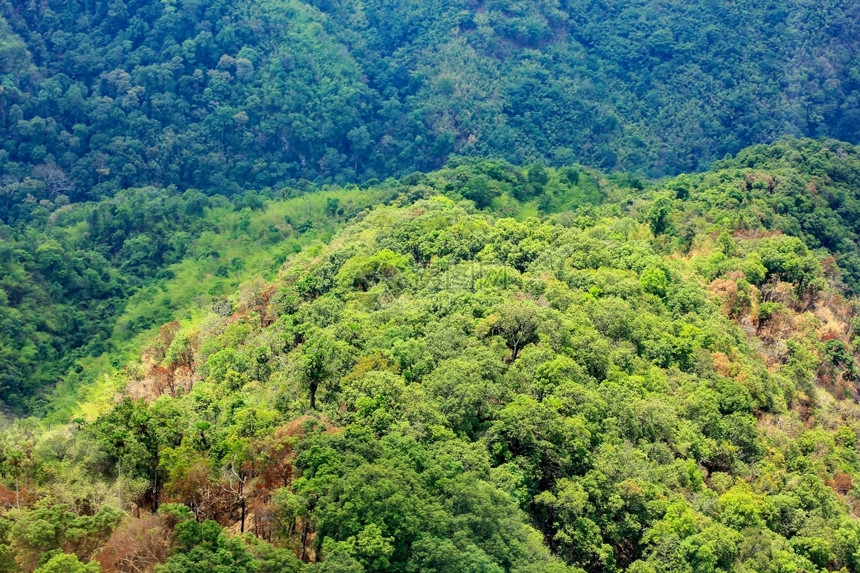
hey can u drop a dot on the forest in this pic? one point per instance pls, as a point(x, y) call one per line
point(101, 96)
point(482, 368)
point(473, 286)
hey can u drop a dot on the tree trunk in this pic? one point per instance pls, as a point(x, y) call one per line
point(155, 493)
point(242, 526)
point(314, 395)
point(304, 556)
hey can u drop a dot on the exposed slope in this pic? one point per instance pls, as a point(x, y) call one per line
point(804, 188)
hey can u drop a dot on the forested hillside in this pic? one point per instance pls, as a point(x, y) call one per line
point(229, 96)
point(461, 286)
point(484, 368)
point(83, 280)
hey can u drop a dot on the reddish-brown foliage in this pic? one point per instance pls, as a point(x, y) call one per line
point(137, 546)
point(842, 483)
point(8, 498)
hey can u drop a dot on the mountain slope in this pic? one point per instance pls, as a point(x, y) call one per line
point(656, 380)
point(225, 97)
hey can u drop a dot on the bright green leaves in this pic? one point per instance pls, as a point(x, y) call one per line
point(740, 508)
point(464, 394)
point(375, 399)
point(66, 563)
point(517, 243)
point(368, 551)
point(485, 393)
point(684, 537)
point(654, 281)
point(394, 503)
point(362, 272)
point(576, 537)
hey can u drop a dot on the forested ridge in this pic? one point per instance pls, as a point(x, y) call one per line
point(481, 368)
point(229, 96)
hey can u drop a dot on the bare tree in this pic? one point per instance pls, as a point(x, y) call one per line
point(138, 546)
point(55, 179)
point(235, 482)
point(9, 188)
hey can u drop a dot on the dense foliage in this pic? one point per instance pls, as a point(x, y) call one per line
point(498, 369)
point(80, 280)
point(507, 350)
point(225, 96)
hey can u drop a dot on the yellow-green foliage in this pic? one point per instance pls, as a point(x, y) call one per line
point(436, 386)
